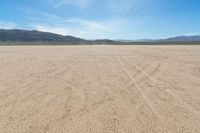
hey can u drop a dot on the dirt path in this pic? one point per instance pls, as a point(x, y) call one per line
point(100, 89)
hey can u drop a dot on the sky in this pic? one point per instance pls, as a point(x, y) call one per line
point(104, 19)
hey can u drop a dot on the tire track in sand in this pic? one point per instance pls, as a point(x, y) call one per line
point(138, 88)
point(188, 107)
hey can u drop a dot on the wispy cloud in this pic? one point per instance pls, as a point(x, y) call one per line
point(89, 24)
point(79, 3)
point(115, 6)
point(75, 26)
point(111, 26)
point(122, 6)
point(7, 25)
point(108, 28)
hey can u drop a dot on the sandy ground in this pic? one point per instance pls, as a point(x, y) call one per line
point(100, 89)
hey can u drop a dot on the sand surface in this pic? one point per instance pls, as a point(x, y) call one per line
point(100, 89)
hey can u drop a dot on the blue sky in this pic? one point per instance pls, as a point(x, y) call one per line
point(98, 19)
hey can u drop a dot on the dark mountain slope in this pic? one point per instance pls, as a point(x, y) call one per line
point(25, 35)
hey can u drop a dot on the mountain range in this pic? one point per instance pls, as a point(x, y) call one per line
point(34, 35)
point(183, 38)
point(18, 35)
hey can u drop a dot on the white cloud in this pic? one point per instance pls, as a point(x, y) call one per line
point(79, 27)
point(109, 28)
point(124, 6)
point(89, 24)
point(7, 25)
point(79, 3)
point(76, 27)
point(115, 6)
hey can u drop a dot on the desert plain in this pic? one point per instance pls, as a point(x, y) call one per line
point(100, 89)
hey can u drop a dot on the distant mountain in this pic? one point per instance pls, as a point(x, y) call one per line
point(144, 40)
point(25, 35)
point(17, 35)
point(123, 40)
point(182, 39)
point(104, 41)
point(172, 39)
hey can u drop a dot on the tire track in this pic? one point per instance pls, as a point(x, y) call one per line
point(138, 88)
point(190, 108)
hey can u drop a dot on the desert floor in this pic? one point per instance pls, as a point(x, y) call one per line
point(99, 89)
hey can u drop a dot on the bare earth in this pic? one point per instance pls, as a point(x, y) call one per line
point(99, 89)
